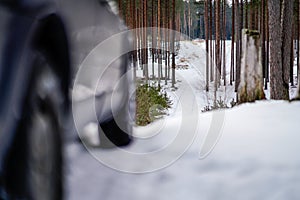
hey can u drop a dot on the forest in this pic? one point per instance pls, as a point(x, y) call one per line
point(273, 25)
point(191, 60)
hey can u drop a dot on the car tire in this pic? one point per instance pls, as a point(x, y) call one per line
point(44, 162)
point(34, 164)
point(115, 132)
point(43, 133)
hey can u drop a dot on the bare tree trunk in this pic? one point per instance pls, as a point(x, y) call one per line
point(189, 19)
point(291, 67)
point(153, 39)
point(167, 41)
point(134, 38)
point(241, 21)
point(247, 15)
point(263, 39)
point(173, 43)
point(145, 8)
point(207, 44)
point(232, 44)
point(287, 29)
point(278, 87)
point(256, 16)
point(139, 36)
point(211, 41)
point(224, 42)
point(251, 85)
point(184, 20)
point(238, 43)
point(218, 53)
point(275, 50)
point(159, 41)
point(252, 16)
point(298, 39)
point(298, 62)
point(267, 73)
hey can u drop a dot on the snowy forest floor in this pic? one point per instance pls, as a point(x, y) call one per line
point(254, 156)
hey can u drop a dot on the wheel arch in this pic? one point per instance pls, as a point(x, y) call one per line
point(50, 38)
point(47, 36)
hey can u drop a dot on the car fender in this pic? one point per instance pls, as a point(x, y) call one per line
point(17, 55)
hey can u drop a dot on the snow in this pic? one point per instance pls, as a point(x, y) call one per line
point(246, 152)
point(256, 154)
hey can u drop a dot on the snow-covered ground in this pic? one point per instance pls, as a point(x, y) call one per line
point(195, 57)
point(194, 54)
point(253, 149)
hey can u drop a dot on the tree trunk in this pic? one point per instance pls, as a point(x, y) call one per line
point(207, 44)
point(145, 9)
point(153, 39)
point(291, 67)
point(184, 20)
point(238, 43)
point(211, 41)
point(298, 39)
point(241, 21)
point(218, 53)
point(263, 39)
point(251, 85)
point(173, 44)
point(277, 90)
point(189, 18)
point(247, 21)
point(287, 29)
point(134, 13)
point(224, 42)
point(298, 62)
point(167, 41)
point(159, 41)
point(232, 44)
point(267, 48)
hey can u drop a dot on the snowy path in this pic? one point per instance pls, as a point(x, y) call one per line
point(256, 156)
point(193, 54)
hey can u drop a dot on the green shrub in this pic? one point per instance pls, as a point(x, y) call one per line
point(219, 104)
point(151, 104)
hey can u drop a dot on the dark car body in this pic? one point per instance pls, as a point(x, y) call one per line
point(68, 30)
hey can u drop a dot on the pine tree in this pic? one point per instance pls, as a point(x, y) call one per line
point(263, 40)
point(238, 43)
point(207, 44)
point(218, 47)
point(287, 32)
point(173, 43)
point(279, 39)
point(224, 41)
point(232, 44)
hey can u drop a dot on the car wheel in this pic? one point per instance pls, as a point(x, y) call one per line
point(112, 136)
point(44, 145)
point(115, 132)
